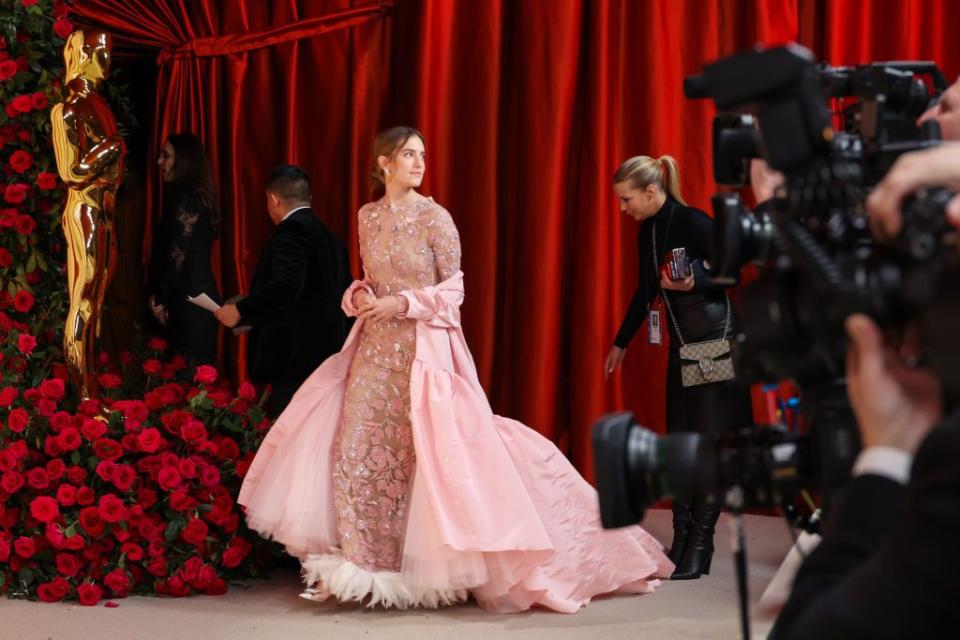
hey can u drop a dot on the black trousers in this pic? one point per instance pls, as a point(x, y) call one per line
point(281, 392)
point(707, 408)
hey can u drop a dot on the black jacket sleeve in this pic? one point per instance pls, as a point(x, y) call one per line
point(888, 566)
point(288, 271)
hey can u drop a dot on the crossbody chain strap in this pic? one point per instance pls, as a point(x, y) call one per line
point(666, 300)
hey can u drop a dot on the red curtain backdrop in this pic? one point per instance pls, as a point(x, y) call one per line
point(528, 107)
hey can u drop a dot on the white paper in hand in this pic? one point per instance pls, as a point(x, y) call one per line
point(204, 301)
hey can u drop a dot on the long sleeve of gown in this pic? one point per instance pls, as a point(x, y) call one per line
point(438, 306)
point(186, 216)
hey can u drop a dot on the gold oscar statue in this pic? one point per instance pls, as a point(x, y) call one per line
point(90, 161)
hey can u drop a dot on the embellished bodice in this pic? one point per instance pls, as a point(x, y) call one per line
point(409, 246)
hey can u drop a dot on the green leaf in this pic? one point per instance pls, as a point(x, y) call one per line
point(32, 263)
point(173, 530)
point(75, 457)
point(25, 576)
point(70, 531)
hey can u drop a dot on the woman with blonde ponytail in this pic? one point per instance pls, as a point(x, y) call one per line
point(648, 190)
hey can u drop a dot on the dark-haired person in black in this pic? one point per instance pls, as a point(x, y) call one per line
point(649, 191)
point(294, 301)
point(180, 259)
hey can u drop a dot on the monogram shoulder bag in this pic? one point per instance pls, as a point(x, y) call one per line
point(701, 362)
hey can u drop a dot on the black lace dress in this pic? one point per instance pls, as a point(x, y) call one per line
point(180, 266)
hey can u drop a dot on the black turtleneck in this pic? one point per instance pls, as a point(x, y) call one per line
point(700, 312)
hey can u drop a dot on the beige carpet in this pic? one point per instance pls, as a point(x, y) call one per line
point(705, 608)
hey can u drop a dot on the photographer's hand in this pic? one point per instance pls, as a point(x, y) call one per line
point(896, 406)
point(938, 167)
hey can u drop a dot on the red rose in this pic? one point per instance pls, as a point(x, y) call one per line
point(76, 475)
point(136, 411)
point(7, 460)
point(247, 391)
point(107, 449)
point(6, 258)
point(4, 550)
point(53, 591)
point(75, 543)
point(157, 344)
point(157, 567)
point(46, 407)
point(168, 479)
point(56, 468)
point(216, 587)
point(92, 429)
point(20, 160)
point(22, 104)
point(29, 3)
point(190, 571)
point(109, 381)
point(66, 495)
point(11, 481)
point(23, 301)
point(176, 588)
point(181, 501)
point(208, 575)
point(53, 388)
point(205, 374)
point(105, 470)
point(195, 532)
point(63, 28)
point(44, 509)
point(25, 225)
point(132, 551)
point(69, 439)
point(124, 476)
point(118, 582)
point(26, 343)
point(25, 547)
point(91, 522)
point(8, 69)
point(149, 440)
point(193, 432)
point(89, 407)
point(68, 565)
point(146, 498)
point(46, 180)
point(236, 552)
point(39, 100)
point(7, 396)
point(229, 449)
point(89, 594)
point(8, 218)
point(187, 468)
point(15, 193)
point(85, 496)
point(151, 367)
point(38, 479)
point(209, 475)
point(18, 419)
point(112, 508)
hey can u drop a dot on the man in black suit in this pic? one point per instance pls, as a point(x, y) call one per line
point(294, 301)
point(888, 564)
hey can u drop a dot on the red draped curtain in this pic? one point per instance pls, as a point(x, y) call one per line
point(528, 107)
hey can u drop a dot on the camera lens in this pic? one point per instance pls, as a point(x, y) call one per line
point(635, 468)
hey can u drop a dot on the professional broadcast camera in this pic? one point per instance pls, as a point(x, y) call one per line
point(818, 265)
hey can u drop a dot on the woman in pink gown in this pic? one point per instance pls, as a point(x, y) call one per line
point(389, 476)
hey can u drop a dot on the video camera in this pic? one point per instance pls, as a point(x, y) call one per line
point(818, 264)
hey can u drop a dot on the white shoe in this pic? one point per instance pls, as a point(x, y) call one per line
point(316, 594)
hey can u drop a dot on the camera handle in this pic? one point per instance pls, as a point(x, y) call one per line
point(735, 501)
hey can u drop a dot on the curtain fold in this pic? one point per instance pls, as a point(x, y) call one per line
point(527, 107)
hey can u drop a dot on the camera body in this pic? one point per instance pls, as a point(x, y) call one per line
point(818, 264)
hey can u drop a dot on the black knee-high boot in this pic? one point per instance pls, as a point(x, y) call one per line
point(682, 523)
point(699, 549)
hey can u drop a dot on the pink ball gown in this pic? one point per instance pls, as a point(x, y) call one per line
point(392, 480)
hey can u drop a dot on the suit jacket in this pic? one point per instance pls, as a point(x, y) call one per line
point(888, 564)
point(294, 301)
